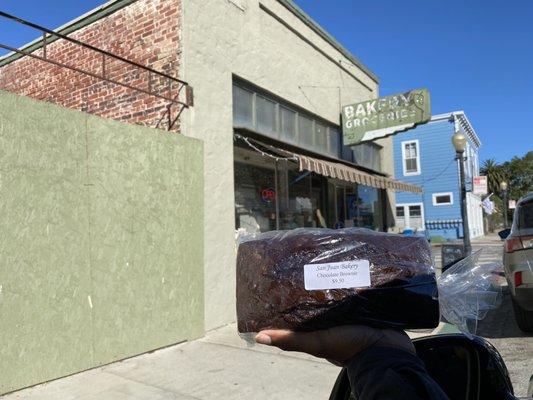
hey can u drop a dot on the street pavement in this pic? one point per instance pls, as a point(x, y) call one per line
point(500, 328)
point(223, 366)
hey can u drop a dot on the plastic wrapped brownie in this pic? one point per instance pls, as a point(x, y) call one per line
point(309, 279)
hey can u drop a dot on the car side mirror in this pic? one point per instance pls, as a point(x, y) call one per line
point(530, 388)
point(464, 369)
point(503, 234)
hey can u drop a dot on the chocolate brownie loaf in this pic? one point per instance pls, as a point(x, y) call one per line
point(308, 279)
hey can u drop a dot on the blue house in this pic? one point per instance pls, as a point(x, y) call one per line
point(425, 156)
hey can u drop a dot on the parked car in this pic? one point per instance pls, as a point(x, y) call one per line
point(464, 369)
point(518, 262)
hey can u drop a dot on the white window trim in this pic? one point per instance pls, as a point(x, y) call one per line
point(419, 169)
point(442, 194)
point(407, 216)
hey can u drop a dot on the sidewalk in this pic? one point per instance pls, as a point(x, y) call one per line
point(491, 244)
point(219, 366)
point(489, 238)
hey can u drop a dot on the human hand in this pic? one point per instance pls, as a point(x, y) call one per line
point(339, 344)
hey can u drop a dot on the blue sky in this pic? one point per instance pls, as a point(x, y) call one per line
point(473, 55)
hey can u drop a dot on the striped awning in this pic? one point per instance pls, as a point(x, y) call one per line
point(333, 169)
point(350, 174)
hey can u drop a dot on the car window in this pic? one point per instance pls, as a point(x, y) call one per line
point(524, 218)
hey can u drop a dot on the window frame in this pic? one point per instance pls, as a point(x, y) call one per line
point(404, 159)
point(435, 195)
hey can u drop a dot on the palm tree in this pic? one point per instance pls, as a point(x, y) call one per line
point(494, 174)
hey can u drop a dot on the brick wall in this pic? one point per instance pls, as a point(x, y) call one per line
point(146, 32)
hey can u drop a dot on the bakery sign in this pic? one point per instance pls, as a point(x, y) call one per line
point(374, 119)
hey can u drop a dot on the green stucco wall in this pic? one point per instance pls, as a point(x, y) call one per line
point(101, 246)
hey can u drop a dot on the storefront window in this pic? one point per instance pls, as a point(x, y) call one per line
point(272, 195)
point(306, 133)
point(356, 206)
point(288, 125)
point(301, 203)
point(365, 208)
point(255, 198)
point(296, 200)
point(333, 142)
point(321, 136)
point(368, 155)
point(266, 115)
point(242, 107)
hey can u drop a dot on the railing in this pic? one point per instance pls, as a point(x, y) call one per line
point(170, 90)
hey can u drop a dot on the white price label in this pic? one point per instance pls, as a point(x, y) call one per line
point(339, 275)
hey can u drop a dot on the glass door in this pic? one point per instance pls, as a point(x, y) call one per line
point(410, 216)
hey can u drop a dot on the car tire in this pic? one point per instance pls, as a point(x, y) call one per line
point(524, 318)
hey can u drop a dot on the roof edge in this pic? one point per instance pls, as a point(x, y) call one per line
point(311, 23)
point(444, 116)
point(76, 24)
point(463, 121)
point(469, 129)
point(114, 5)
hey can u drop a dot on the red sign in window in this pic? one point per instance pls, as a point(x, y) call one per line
point(268, 195)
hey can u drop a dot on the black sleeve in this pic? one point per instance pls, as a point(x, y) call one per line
point(387, 373)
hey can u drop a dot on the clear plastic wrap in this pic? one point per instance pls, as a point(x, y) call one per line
point(467, 291)
point(308, 279)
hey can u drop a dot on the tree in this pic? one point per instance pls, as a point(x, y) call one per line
point(494, 173)
point(519, 172)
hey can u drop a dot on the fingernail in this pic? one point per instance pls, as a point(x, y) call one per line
point(261, 338)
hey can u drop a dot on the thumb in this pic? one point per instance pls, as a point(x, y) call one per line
point(306, 342)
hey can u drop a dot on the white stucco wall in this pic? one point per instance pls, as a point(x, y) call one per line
point(387, 166)
point(225, 37)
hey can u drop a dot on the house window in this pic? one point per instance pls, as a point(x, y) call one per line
point(443, 199)
point(415, 211)
point(411, 158)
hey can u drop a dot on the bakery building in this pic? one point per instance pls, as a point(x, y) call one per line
point(268, 85)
